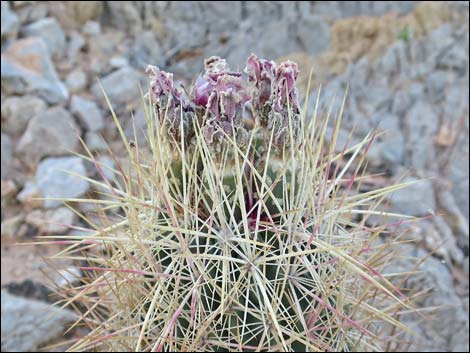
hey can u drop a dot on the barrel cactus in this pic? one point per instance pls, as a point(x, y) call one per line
point(239, 227)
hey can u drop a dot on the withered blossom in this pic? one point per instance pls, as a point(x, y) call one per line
point(274, 96)
point(223, 101)
point(170, 105)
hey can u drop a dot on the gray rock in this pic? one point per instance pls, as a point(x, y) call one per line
point(87, 112)
point(340, 9)
point(51, 133)
point(117, 62)
point(76, 42)
point(392, 142)
point(268, 38)
point(448, 241)
point(439, 41)
point(107, 166)
point(58, 220)
point(446, 327)
point(437, 82)
point(121, 86)
point(401, 102)
point(139, 123)
point(455, 105)
point(67, 276)
point(314, 34)
point(30, 11)
point(6, 154)
point(458, 172)
point(421, 124)
point(414, 200)
point(50, 31)
point(76, 81)
point(74, 14)
point(124, 16)
point(24, 327)
point(27, 68)
point(28, 194)
point(18, 111)
point(388, 63)
point(11, 226)
point(393, 148)
point(92, 28)
point(454, 58)
point(10, 22)
point(94, 141)
point(147, 51)
point(61, 177)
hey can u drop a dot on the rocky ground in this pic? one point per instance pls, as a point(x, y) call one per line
point(406, 64)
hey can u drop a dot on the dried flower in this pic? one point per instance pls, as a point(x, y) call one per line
point(170, 105)
point(274, 96)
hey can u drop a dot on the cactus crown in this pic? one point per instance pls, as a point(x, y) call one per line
point(252, 238)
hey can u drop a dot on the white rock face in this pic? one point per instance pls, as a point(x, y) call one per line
point(50, 31)
point(61, 178)
point(28, 69)
point(51, 133)
point(24, 324)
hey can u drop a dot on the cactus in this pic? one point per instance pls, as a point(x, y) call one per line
point(236, 231)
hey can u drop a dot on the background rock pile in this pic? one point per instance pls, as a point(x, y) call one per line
point(406, 64)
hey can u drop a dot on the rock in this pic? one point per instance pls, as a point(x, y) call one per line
point(124, 16)
point(66, 277)
point(446, 327)
point(401, 102)
point(6, 154)
point(393, 148)
point(24, 327)
point(414, 200)
point(117, 62)
point(94, 141)
point(454, 215)
point(121, 86)
point(87, 112)
point(74, 14)
point(8, 190)
point(139, 123)
point(455, 105)
point(10, 22)
point(107, 167)
point(76, 81)
point(11, 226)
point(75, 44)
point(448, 241)
point(455, 58)
point(421, 123)
point(91, 28)
point(314, 34)
point(18, 111)
point(28, 194)
point(27, 68)
point(55, 180)
point(30, 289)
point(36, 219)
point(436, 83)
point(30, 11)
point(50, 31)
point(60, 220)
point(392, 142)
point(51, 133)
point(335, 9)
point(147, 50)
